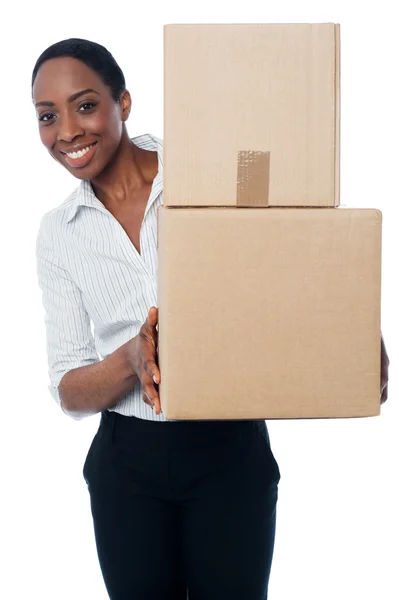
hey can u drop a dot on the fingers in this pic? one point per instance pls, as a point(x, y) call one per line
point(150, 379)
point(152, 318)
point(149, 352)
point(384, 394)
point(150, 394)
point(384, 371)
point(151, 368)
point(150, 375)
point(149, 329)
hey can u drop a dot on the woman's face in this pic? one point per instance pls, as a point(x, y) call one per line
point(80, 123)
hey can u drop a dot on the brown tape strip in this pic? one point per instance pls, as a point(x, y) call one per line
point(253, 177)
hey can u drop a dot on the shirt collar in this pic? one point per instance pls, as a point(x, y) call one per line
point(85, 195)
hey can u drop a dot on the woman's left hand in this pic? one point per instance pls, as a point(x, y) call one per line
point(384, 372)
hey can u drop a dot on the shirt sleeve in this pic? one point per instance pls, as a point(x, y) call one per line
point(70, 343)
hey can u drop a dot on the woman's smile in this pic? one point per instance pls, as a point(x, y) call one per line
point(79, 158)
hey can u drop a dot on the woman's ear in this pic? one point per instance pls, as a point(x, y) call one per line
point(126, 105)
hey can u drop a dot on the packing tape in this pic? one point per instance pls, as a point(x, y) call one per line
point(253, 176)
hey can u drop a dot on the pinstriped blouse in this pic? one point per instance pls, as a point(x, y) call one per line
point(96, 288)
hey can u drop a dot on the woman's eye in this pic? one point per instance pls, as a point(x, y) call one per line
point(45, 117)
point(86, 106)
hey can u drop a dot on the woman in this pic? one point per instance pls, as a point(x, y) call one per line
point(177, 506)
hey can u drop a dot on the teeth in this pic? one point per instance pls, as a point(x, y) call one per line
point(79, 153)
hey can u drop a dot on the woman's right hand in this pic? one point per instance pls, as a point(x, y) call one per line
point(143, 355)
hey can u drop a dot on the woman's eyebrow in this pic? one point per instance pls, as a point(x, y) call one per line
point(78, 94)
point(70, 99)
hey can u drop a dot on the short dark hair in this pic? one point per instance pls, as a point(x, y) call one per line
point(93, 55)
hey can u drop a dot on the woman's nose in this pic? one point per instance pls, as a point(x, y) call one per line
point(68, 129)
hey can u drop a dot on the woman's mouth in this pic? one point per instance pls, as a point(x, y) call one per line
point(80, 158)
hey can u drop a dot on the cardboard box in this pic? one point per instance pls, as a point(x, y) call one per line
point(269, 313)
point(251, 115)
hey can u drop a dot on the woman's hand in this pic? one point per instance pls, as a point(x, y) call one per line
point(143, 355)
point(384, 372)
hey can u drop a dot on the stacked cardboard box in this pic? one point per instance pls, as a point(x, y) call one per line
point(269, 293)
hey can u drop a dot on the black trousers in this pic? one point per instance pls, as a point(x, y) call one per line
point(183, 509)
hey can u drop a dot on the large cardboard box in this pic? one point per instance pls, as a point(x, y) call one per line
point(251, 115)
point(269, 313)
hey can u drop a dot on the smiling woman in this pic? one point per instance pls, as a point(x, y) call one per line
point(176, 506)
point(73, 156)
point(81, 119)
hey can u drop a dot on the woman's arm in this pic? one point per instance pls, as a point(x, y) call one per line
point(80, 382)
point(93, 388)
point(96, 387)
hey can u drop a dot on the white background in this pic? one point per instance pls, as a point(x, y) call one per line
point(338, 528)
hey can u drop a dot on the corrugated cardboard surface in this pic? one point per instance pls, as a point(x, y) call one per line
point(232, 89)
point(269, 313)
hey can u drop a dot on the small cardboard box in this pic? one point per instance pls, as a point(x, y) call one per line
point(269, 313)
point(251, 115)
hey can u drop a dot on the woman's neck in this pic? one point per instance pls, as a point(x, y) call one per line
point(129, 170)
